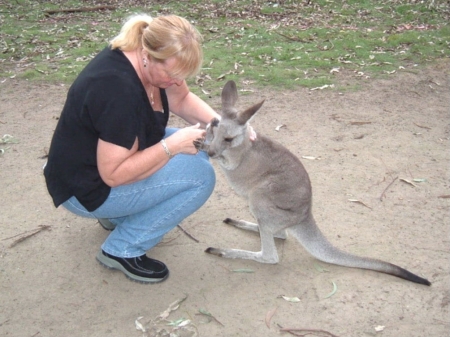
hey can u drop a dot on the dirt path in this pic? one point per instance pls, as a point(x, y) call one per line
point(392, 129)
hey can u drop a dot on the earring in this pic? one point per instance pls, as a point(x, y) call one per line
point(145, 62)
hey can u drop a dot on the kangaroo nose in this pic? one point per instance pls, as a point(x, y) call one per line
point(211, 153)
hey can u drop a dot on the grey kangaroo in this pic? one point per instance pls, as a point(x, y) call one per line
point(278, 190)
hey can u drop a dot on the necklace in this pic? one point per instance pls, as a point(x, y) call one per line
point(152, 101)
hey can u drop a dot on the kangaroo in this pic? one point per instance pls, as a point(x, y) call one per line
point(278, 190)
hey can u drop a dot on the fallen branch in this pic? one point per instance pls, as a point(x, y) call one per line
point(384, 192)
point(76, 10)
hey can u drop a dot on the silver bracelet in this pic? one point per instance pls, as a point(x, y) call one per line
point(166, 149)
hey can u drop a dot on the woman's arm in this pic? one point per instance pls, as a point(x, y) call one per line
point(119, 166)
point(189, 106)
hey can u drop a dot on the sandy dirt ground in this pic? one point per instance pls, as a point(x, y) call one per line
point(363, 145)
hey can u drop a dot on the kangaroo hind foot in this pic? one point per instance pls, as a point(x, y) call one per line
point(267, 254)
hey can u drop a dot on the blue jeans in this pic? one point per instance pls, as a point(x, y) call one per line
point(145, 211)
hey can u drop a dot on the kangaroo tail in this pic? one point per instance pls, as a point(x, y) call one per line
point(312, 239)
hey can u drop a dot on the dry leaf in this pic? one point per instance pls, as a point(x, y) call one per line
point(379, 328)
point(174, 306)
point(408, 182)
point(311, 158)
point(334, 70)
point(320, 269)
point(139, 325)
point(333, 291)
point(359, 202)
point(269, 316)
point(323, 87)
point(290, 299)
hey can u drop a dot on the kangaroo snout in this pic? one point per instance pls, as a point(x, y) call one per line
point(211, 153)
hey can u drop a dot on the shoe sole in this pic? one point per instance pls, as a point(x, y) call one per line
point(113, 264)
point(106, 224)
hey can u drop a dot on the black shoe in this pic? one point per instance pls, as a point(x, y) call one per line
point(141, 269)
point(106, 224)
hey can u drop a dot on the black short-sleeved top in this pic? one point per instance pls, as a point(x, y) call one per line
point(107, 101)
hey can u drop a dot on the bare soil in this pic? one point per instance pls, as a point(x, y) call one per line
point(385, 145)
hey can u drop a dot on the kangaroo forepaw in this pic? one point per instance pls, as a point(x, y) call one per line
point(199, 144)
point(214, 251)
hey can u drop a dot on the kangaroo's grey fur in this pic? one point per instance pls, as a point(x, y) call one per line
point(278, 190)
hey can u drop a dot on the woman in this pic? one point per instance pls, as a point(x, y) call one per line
point(113, 158)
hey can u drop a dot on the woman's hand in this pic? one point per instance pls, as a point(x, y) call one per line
point(182, 141)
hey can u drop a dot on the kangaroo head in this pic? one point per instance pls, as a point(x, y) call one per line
point(228, 138)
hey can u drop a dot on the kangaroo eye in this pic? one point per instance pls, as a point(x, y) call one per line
point(228, 140)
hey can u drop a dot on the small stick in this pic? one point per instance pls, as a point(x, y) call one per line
point(360, 123)
point(293, 38)
point(34, 232)
point(305, 332)
point(14, 236)
point(74, 10)
point(187, 233)
point(382, 194)
point(422, 126)
point(206, 313)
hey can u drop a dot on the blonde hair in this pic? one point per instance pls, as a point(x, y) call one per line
point(163, 37)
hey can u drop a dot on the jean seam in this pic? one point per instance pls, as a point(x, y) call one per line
point(194, 182)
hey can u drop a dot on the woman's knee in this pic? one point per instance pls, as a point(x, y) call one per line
point(204, 172)
point(199, 169)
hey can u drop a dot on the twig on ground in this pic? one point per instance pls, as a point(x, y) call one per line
point(75, 10)
point(292, 38)
point(27, 234)
point(384, 192)
point(187, 233)
point(422, 126)
point(305, 332)
point(208, 314)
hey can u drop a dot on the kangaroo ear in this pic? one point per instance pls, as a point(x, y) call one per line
point(246, 115)
point(229, 95)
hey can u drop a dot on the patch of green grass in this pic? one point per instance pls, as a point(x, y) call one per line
point(282, 44)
